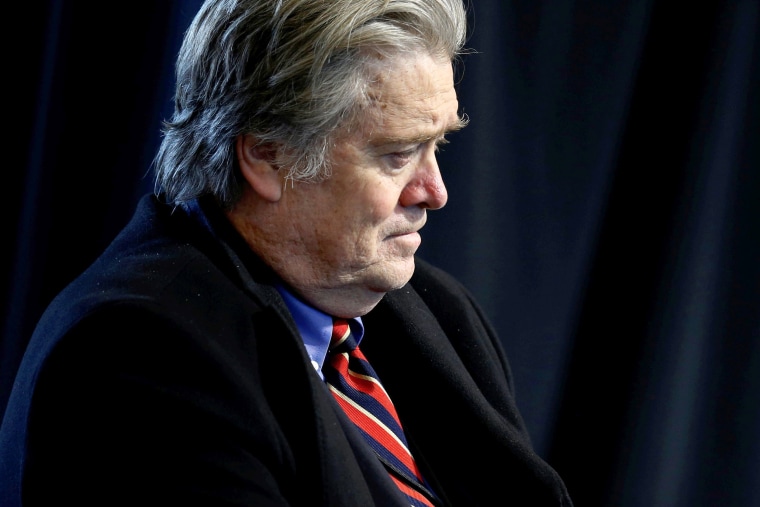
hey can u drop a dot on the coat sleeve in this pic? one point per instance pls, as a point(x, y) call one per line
point(131, 407)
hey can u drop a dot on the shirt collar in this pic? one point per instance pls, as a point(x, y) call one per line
point(315, 327)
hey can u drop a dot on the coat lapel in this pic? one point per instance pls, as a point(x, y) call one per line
point(453, 400)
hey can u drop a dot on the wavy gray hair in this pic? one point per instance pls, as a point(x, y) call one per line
point(290, 72)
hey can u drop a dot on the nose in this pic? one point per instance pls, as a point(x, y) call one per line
point(426, 188)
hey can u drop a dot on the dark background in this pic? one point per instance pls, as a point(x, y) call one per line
point(604, 207)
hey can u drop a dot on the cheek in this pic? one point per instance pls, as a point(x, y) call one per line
point(358, 211)
point(383, 199)
point(370, 203)
point(365, 226)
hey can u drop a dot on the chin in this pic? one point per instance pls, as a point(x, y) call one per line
point(394, 276)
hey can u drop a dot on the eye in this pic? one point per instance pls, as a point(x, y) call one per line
point(440, 142)
point(399, 159)
point(407, 154)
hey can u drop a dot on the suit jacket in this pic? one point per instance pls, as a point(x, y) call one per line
point(171, 373)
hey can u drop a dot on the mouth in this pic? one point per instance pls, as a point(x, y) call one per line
point(404, 233)
point(412, 228)
point(409, 229)
point(407, 241)
point(410, 234)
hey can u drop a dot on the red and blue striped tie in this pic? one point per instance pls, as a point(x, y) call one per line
point(355, 386)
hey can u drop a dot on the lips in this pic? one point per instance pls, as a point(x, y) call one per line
point(414, 229)
point(411, 225)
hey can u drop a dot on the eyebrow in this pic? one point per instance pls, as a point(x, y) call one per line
point(460, 123)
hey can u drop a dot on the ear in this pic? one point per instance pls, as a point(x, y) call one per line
point(257, 166)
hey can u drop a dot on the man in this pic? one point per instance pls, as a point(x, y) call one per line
point(194, 362)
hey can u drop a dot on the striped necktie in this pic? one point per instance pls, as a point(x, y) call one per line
point(355, 386)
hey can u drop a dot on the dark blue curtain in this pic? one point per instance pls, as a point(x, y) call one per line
point(604, 207)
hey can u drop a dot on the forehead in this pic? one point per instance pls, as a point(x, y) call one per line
point(411, 97)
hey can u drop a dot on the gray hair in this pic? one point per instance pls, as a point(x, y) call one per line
point(290, 72)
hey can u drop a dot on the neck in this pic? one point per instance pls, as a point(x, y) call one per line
point(285, 254)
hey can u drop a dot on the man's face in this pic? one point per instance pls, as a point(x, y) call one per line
point(357, 231)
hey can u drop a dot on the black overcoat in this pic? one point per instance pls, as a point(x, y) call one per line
point(171, 373)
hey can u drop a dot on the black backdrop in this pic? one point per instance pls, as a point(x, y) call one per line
point(604, 207)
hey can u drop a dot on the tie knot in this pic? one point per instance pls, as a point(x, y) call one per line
point(341, 339)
